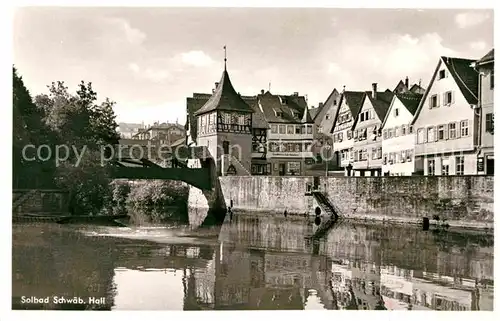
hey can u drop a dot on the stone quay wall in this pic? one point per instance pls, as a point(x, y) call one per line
point(464, 201)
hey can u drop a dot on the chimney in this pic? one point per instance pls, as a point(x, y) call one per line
point(407, 83)
point(296, 93)
point(374, 90)
point(262, 91)
point(320, 105)
point(216, 84)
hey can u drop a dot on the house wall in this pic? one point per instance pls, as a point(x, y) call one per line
point(457, 111)
point(369, 144)
point(470, 163)
point(400, 143)
point(462, 200)
point(487, 106)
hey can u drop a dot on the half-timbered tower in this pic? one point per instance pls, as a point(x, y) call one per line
point(224, 125)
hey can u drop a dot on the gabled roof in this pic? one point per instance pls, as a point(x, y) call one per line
point(409, 100)
point(286, 104)
point(464, 75)
point(258, 119)
point(225, 98)
point(380, 105)
point(400, 84)
point(326, 105)
point(416, 87)
point(314, 112)
point(488, 58)
point(354, 101)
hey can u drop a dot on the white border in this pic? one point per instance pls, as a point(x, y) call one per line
point(5, 94)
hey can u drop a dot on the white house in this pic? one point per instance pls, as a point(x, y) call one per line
point(446, 121)
point(398, 137)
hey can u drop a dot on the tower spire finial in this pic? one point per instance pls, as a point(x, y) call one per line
point(225, 57)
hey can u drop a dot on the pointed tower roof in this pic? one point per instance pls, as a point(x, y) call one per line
point(225, 98)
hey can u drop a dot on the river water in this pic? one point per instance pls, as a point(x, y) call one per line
point(252, 262)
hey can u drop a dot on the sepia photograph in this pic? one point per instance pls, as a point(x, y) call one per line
point(252, 158)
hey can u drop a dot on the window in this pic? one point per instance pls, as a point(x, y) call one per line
point(403, 156)
point(320, 129)
point(274, 129)
point(274, 147)
point(335, 102)
point(442, 74)
point(403, 130)
point(420, 136)
point(430, 134)
point(374, 153)
point(384, 159)
point(409, 155)
point(452, 130)
point(410, 128)
point(431, 165)
point(448, 98)
point(365, 154)
point(433, 101)
point(294, 168)
point(297, 147)
point(489, 123)
point(492, 79)
point(278, 113)
point(295, 114)
point(385, 133)
point(290, 129)
point(445, 167)
point(355, 135)
point(282, 129)
point(459, 165)
point(464, 128)
point(349, 134)
point(396, 112)
point(309, 129)
point(303, 129)
point(297, 129)
point(441, 132)
point(396, 132)
point(360, 155)
point(362, 117)
point(289, 147)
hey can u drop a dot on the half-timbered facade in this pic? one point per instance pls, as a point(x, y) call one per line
point(290, 134)
point(224, 125)
point(367, 133)
point(343, 143)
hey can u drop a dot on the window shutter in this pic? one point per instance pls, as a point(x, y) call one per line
point(430, 102)
point(425, 134)
point(438, 100)
point(458, 132)
point(445, 131)
point(435, 133)
point(444, 98)
point(453, 97)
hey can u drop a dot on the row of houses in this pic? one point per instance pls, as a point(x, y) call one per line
point(446, 129)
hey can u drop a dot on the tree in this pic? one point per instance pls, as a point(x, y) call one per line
point(28, 128)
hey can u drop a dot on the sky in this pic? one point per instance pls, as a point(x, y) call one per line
point(148, 60)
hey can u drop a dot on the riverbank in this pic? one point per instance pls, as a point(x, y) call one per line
point(456, 201)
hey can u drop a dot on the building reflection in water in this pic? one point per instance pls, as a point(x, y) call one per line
point(263, 262)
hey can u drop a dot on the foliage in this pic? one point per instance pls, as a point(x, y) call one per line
point(28, 128)
point(62, 118)
point(150, 201)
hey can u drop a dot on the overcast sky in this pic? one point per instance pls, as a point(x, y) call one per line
point(150, 60)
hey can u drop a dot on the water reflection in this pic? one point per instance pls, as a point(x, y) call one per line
point(254, 262)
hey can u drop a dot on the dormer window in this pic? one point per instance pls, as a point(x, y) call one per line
point(283, 100)
point(327, 116)
point(278, 113)
point(442, 74)
point(295, 114)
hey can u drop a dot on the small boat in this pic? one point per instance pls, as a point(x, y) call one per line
point(113, 220)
